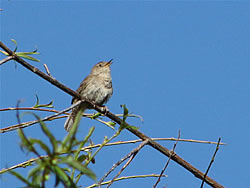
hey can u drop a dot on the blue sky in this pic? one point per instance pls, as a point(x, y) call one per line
point(180, 65)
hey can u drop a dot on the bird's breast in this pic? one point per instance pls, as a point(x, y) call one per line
point(99, 92)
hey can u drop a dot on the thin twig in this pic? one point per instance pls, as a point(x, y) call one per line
point(22, 125)
point(47, 69)
point(124, 178)
point(166, 165)
point(86, 148)
point(89, 115)
point(23, 164)
point(17, 112)
point(106, 141)
point(26, 124)
point(123, 159)
point(131, 157)
point(197, 173)
point(5, 60)
point(29, 123)
point(28, 108)
point(212, 160)
point(125, 166)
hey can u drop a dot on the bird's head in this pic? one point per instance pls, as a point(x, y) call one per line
point(101, 67)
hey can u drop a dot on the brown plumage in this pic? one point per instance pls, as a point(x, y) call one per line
point(96, 87)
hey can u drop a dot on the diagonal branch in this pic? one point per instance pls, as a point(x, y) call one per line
point(197, 173)
point(123, 159)
point(211, 162)
point(166, 165)
point(132, 156)
point(40, 73)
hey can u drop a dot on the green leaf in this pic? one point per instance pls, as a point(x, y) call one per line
point(81, 158)
point(37, 101)
point(62, 176)
point(28, 53)
point(35, 171)
point(70, 137)
point(48, 134)
point(125, 115)
point(57, 181)
point(27, 57)
point(20, 177)
point(124, 125)
point(27, 164)
point(91, 130)
point(35, 175)
point(96, 115)
point(25, 54)
point(111, 123)
point(37, 105)
point(106, 139)
point(35, 50)
point(89, 156)
point(49, 105)
point(46, 131)
point(24, 140)
point(46, 176)
point(41, 144)
point(125, 111)
point(132, 127)
point(77, 165)
point(67, 169)
point(14, 41)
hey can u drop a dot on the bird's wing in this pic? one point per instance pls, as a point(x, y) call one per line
point(84, 84)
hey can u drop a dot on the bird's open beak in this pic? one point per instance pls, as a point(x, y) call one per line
point(109, 62)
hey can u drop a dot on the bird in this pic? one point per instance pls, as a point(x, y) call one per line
point(96, 87)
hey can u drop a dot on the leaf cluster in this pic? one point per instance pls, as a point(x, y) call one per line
point(25, 55)
point(61, 161)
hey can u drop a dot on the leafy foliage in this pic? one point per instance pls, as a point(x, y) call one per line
point(125, 115)
point(25, 55)
point(61, 161)
point(38, 105)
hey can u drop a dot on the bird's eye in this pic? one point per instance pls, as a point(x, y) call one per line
point(100, 65)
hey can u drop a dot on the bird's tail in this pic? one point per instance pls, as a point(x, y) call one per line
point(71, 118)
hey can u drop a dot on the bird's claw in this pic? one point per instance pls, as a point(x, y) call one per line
point(105, 109)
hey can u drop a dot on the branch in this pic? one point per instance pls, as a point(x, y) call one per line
point(125, 166)
point(39, 73)
point(23, 125)
point(28, 108)
point(29, 123)
point(5, 60)
point(47, 69)
point(166, 165)
point(6, 129)
point(124, 178)
point(123, 159)
point(132, 156)
point(29, 162)
point(197, 173)
point(211, 162)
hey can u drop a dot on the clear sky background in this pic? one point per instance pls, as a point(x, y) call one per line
point(180, 65)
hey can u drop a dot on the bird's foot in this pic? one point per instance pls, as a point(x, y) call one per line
point(105, 109)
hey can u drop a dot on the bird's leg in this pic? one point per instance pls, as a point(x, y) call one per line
point(105, 109)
